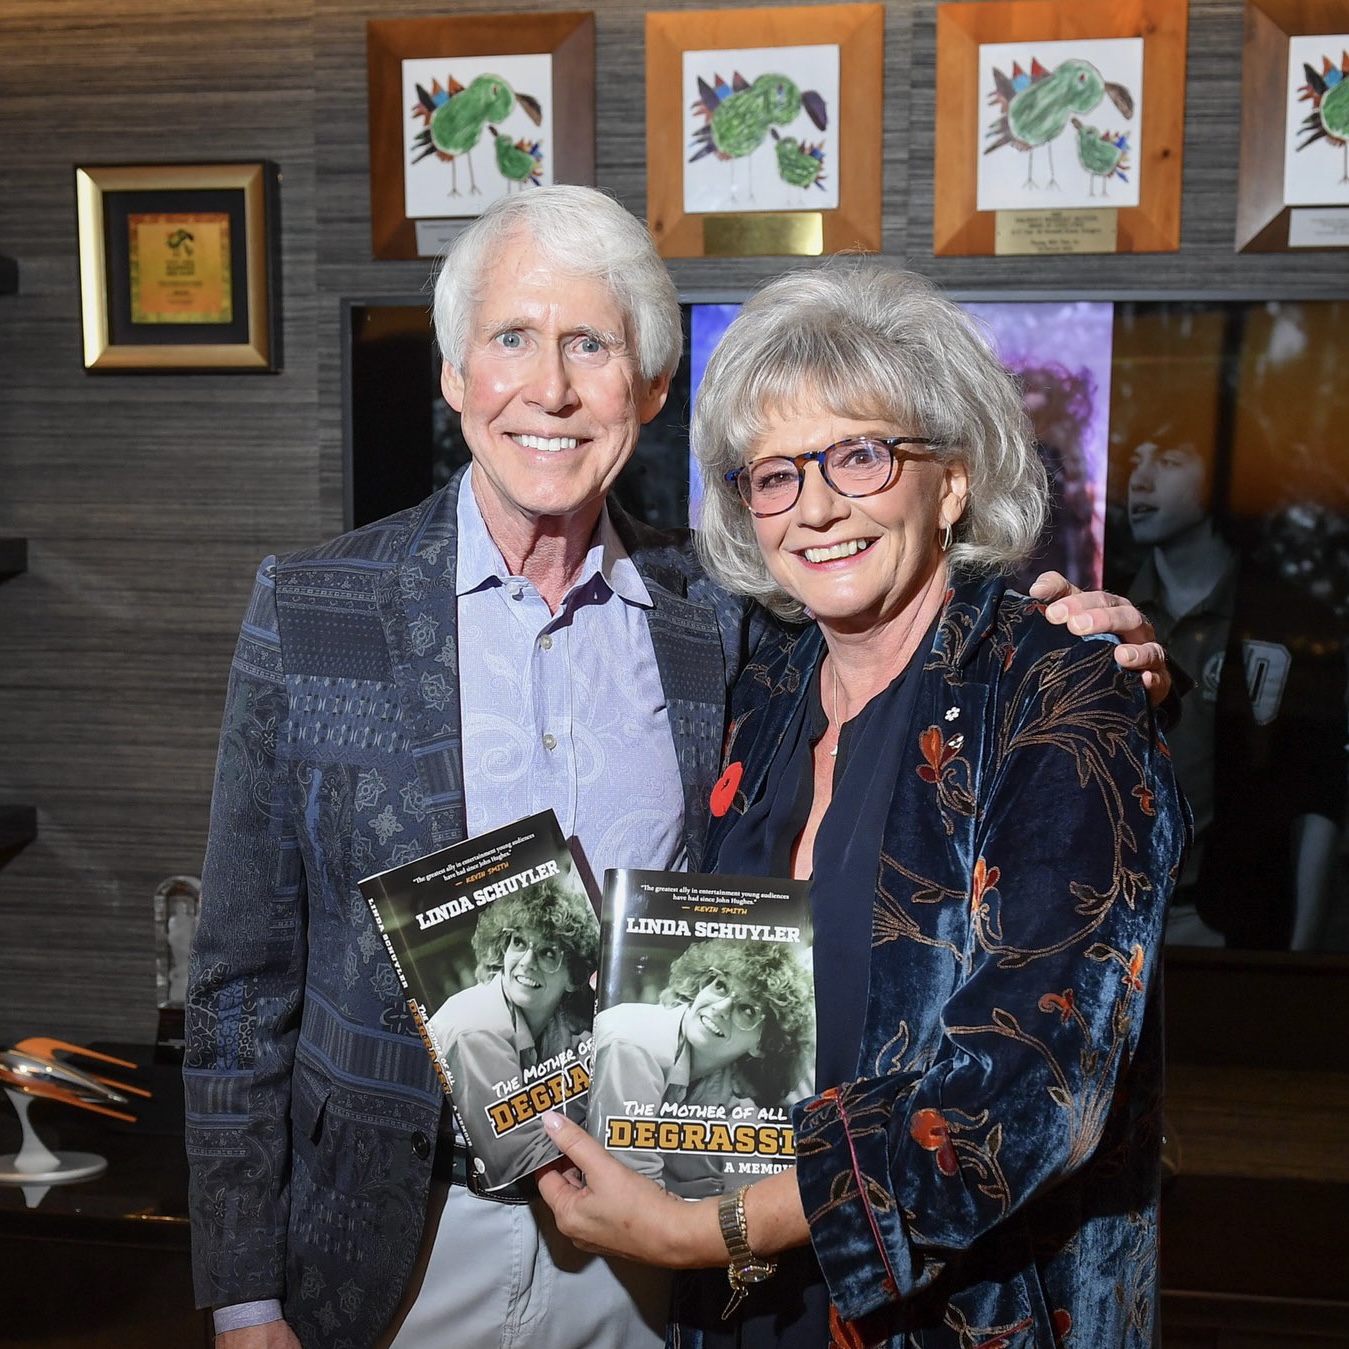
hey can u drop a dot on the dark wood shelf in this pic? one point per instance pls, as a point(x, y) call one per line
point(13, 557)
point(1254, 1223)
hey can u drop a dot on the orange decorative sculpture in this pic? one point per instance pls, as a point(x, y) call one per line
point(30, 1069)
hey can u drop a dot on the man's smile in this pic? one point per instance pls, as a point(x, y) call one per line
point(548, 444)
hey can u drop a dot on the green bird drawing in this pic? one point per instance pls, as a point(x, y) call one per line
point(799, 164)
point(1035, 108)
point(1103, 154)
point(1328, 92)
point(455, 117)
point(518, 161)
point(738, 117)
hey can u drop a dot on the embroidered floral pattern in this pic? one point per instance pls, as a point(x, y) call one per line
point(385, 824)
point(422, 633)
point(1010, 1060)
point(413, 583)
point(930, 1132)
point(414, 801)
point(370, 786)
point(438, 692)
point(943, 768)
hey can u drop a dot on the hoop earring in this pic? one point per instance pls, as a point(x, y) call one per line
point(947, 538)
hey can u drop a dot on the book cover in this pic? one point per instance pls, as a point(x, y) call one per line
point(495, 941)
point(704, 1025)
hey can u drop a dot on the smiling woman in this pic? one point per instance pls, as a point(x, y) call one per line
point(887, 360)
point(980, 1163)
point(868, 558)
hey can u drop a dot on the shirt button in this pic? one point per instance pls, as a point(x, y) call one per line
point(421, 1145)
point(550, 742)
point(515, 590)
point(546, 642)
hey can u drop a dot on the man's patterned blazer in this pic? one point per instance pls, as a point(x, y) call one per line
point(313, 1112)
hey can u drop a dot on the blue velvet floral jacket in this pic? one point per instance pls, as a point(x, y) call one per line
point(312, 1108)
point(990, 1178)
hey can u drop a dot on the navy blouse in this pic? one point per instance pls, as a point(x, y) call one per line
point(847, 853)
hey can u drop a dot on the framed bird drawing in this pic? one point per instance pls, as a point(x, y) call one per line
point(468, 109)
point(1060, 127)
point(764, 121)
point(767, 141)
point(1293, 182)
point(1318, 84)
point(482, 105)
point(1079, 98)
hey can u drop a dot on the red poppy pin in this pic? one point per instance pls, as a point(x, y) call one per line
point(724, 792)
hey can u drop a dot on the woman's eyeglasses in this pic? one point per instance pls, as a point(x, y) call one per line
point(547, 955)
point(745, 1015)
point(859, 466)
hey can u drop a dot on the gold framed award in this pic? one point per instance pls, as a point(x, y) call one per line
point(178, 267)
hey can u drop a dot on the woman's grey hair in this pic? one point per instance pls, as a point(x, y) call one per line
point(865, 340)
point(580, 232)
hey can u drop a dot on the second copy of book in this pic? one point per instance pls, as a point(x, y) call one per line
point(704, 1025)
point(495, 941)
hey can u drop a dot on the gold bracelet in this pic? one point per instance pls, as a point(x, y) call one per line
point(745, 1268)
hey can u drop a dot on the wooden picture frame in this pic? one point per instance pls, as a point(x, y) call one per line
point(959, 228)
point(569, 38)
point(179, 267)
point(1263, 217)
point(858, 30)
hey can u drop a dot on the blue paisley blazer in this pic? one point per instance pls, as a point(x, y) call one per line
point(990, 1178)
point(312, 1108)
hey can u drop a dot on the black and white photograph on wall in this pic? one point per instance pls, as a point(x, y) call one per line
point(1227, 522)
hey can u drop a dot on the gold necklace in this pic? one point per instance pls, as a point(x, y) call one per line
point(838, 725)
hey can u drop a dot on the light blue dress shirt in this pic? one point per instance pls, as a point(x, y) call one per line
point(566, 710)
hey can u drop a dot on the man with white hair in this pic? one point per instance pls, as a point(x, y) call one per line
point(513, 643)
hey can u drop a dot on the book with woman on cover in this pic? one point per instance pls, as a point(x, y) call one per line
point(704, 1025)
point(495, 941)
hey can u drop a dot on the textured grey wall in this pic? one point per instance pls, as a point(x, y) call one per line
point(148, 500)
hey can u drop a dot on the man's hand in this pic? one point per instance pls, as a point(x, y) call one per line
point(607, 1208)
point(269, 1335)
point(1088, 611)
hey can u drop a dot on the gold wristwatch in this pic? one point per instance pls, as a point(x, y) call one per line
point(745, 1268)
